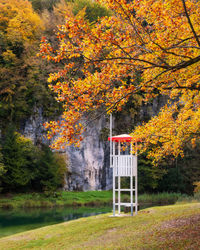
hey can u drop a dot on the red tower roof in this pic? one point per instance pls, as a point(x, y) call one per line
point(121, 138)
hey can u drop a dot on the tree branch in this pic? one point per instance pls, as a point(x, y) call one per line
point(190, 23)
point(185, 64)
point(182, 41)
point(132, 59)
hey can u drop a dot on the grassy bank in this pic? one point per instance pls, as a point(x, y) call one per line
point(89, 198)
point(14, 221)
point(64, 198)
point(167, 227)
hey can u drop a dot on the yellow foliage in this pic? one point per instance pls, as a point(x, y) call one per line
point(197, 187)
point(156, 44)
point(19, 21)
point(9, 56)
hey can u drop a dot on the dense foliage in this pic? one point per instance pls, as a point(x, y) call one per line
point(23, 90)
point(179, 175)
point(107, 54)
point(22, 75)
point(41, 5)
point(27, 168)
point(157, 40)
point(93, 10)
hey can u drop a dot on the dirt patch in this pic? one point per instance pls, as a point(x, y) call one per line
point(145, 212)
point(49, 236)
point(181, 222)
point(111, 230)
point(19, 237)
point(183, 233)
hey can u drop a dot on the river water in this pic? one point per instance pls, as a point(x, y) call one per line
point(18, 220)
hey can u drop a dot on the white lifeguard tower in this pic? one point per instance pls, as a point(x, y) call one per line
point(124, 164)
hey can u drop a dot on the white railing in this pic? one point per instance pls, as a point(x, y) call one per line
point(124, 165)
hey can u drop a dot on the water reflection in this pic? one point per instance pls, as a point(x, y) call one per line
point(19, 220)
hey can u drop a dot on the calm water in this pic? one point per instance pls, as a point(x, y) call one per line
point(15, 221)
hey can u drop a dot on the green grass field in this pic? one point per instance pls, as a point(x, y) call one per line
point(167, 227)
point(89, 198)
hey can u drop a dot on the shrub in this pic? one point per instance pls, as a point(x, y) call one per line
point(20, 159)
point(197, 190)
point(25, 167)
point(51, 171)
point(93, 9)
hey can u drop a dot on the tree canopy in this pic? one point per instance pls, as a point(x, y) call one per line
point(18, 20)
point(23, 76)
point(147, 47)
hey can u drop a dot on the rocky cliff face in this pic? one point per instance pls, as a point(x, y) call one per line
point(33, 127)
point(88, 166)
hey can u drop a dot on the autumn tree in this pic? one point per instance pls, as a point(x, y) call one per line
point(20, 28)
point(147, 47)
point(23, 76)
point(41, 5)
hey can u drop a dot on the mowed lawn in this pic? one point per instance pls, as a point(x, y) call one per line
point(169, 227)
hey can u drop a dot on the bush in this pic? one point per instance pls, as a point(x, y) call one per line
point(25, 167)
point(197, 187)
point(197, 190)
point(20, 161)
point(40, 5)
point(93, 9)
point(2, 166)
point(51, 171)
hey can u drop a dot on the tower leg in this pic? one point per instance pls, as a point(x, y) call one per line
point(119, 194)
point(131, 188)
point(136, 190)
point(113, 191)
